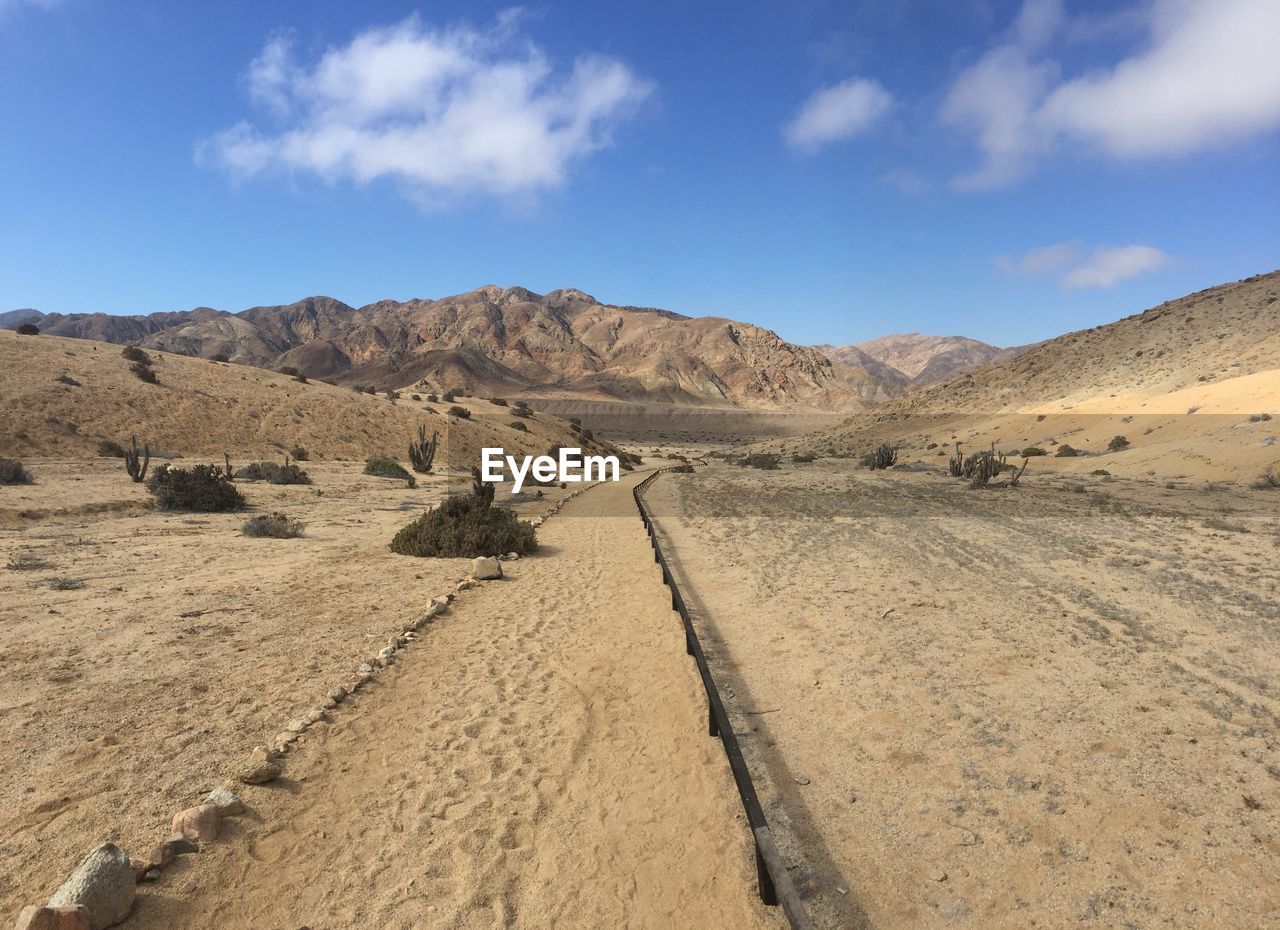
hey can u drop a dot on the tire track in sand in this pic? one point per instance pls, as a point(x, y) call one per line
point(537, 760)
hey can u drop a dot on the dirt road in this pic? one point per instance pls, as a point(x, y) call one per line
point(537, 760)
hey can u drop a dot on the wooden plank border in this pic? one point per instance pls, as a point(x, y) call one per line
point(774, 882)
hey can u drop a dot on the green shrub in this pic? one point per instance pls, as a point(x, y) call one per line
point(1259, 417)
point(382, 466)
point(415, 397)
point(275, 525)
point(1118, 444)
point(462, 413)
point(1065, 451)
point(684, 469)
point(273, 472)
point(1101, 472)
point(300, 378)
point(1032, 451)
point(448, 397)
point(433, 398)
point(1270, 480)
point(27, 329)
point(135, 354)
point(14, 472)
point(110, 449)
point(222, 357)
point(804, 458)
point(66, 379)
point(201, 488)
point(498, 401)
point(519, 427)
point(521, 411)
point(299, 453)
point(465, 527)
point(393, 395)
point(144, 373)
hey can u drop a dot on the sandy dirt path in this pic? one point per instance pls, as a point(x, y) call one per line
point(537, 760)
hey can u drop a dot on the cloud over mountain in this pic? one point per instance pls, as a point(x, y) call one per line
point(440, 111)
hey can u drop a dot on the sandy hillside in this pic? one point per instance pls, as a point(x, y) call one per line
point(1189, 384)
point(205, 408)
point(1046, 707)
point(512, 769)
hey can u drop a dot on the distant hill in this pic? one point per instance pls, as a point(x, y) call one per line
point(60, 396)
point(1192, 384)
point(505, 341)
point(915, 360)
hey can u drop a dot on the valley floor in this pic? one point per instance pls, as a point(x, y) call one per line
point(1045, 707)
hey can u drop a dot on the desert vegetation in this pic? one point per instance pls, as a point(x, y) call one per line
point(382, 466)
point(422, 451)
point(883, 456)
point(275, 525)
point(200, 488)
point(14, 472)
point(466, 526)
point(136, 460)
point(273, 473)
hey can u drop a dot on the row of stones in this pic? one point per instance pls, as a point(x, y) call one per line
point(100, 891)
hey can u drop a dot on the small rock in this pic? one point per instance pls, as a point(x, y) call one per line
point(200, 823)
point(296, 725)
point(486, 568)
point(802, 780)
point(260, 754)
point(48, 917)
point(939, 876)
point(225, 801)
point(285, 738)
point(258, 773)
point(396, 642)
point(386, 652)
point(364, 668)
point(513, 556)
point(103, 883)
point(316, 714)
point(338, 695)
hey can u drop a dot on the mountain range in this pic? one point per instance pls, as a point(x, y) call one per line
point(566, 343)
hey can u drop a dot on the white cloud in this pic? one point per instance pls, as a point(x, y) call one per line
point(1101, 267)
point(1105, 267)
point(838, 112)
point(1042, 260)
point(442, 112)
point(1206, 75)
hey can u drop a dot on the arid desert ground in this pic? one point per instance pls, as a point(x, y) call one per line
point(1047, 706)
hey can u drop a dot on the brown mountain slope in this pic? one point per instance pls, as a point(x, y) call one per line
point(493, 340)
point(1186, 383)
point(203, 408)
point(914, 359)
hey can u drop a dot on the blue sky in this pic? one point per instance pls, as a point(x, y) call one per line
point(831, 170)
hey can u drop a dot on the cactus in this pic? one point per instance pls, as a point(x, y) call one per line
point(134, 464)
point(226, 466)
point(423, 452)
point(480, 488)
point(883, 456)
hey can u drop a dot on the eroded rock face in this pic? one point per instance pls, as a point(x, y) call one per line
point(103, 883)
point(486, 568)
